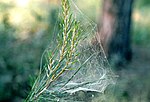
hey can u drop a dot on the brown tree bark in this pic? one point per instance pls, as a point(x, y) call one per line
point(115, 30)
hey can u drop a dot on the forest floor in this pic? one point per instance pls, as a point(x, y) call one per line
point(133, 84)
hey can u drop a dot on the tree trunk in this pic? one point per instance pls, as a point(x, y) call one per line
point(115, 30)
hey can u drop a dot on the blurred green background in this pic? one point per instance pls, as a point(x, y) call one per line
point(26, 28)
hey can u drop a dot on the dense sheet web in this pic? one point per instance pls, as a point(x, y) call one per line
point(96, 74)
point(91, 72)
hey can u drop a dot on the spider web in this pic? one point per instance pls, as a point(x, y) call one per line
point(94, 75)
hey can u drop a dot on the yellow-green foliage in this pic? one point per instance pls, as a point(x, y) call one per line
point(59, 62)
